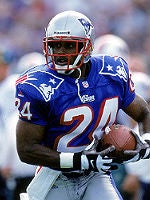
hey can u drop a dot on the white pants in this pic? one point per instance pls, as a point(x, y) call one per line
point(87, 187)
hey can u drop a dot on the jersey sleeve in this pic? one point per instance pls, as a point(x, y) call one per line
point(117, 70)
point(129, 90)
point(30, 105)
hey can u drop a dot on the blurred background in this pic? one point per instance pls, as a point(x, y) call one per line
point(22, 23)
point(22, 28)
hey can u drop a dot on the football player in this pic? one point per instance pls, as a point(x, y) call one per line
point(64, 107)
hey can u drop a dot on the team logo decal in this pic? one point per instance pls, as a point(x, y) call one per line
point(87, 26)
point(116, 69)
point(45, 82)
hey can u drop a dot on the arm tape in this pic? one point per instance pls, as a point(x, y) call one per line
point(66, 160)
point(70, 161)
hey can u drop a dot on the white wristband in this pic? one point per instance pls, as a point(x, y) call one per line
point(66, 160)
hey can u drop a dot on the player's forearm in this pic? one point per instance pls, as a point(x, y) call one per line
point(43, 156)
point(139, 111)
point(144, 118)
point(39, 155)
point(146, 124)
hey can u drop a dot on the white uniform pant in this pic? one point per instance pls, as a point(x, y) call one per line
point(87, 187)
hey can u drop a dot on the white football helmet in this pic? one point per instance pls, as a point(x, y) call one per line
point(69, 26)
point(112, 45)
point(142, 84)
point(30, 60)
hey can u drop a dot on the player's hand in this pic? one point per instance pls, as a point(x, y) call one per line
point(142, 150)
point(91, 149)
point(97, 161)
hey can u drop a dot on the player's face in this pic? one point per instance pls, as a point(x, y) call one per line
point(65, 52)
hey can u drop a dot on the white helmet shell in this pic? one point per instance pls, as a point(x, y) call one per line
point(112, 45)
point(30, 60)
point(70, 26)
point(70, 23)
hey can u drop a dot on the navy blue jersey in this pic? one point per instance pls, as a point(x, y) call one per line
point(74, 110)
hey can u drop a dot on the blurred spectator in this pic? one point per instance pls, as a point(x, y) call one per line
point(3, 188)
point(7, 88)
point(17, 174)
point(112, 45)
point(4, 70)
point(29, 60)
point(137, 63)
point(4, 66)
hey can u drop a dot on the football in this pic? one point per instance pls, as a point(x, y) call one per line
point(121, 137)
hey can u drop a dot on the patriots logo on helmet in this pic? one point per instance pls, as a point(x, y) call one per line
point(87, 26)
point(45, 82)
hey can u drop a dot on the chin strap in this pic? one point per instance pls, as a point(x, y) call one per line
point(78, 85)
point(64, 72)
point(76, 81)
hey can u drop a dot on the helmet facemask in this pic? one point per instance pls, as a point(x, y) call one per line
point(68, 26)
point(66, 63)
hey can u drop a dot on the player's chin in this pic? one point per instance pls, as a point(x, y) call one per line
point(61, 61)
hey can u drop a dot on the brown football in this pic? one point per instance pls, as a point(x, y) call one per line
point(121, 137)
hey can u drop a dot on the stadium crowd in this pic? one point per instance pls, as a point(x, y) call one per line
point(22, 24)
